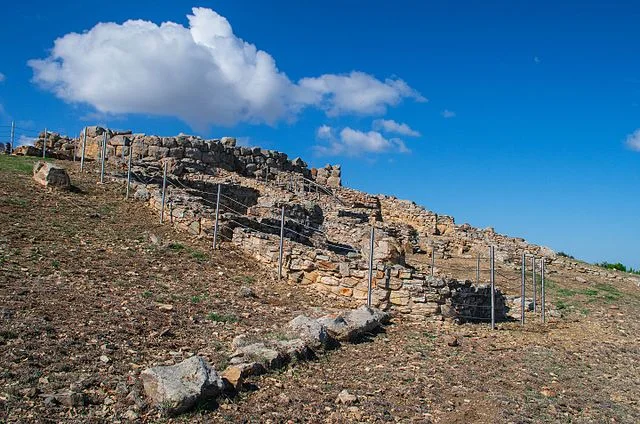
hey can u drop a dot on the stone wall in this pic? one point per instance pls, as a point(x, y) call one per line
point(330, 175)
point(394, 286)
point(409, 213)
point(205, 156)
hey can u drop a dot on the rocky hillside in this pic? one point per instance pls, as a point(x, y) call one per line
point(94, 291)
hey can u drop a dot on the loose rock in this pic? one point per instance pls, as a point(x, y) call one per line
point(50, 175)
point(178, 388)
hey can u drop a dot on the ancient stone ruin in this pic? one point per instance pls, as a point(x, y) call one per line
point(326, 226)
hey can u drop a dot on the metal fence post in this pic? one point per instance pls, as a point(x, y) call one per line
point(215, 226)
point(103, 156)
point(535, 288)
point(164, 189)
point(370, 280)
point(44, 145)
point(13, 135)
point(280, 254)
point(129, 171)
point(433, 259)
point(542, 305)
point(84, 144)
point(522, 288)
point(493, 288)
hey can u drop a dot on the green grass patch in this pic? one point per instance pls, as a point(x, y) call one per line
point(429, 335)
point(245, 279)
point(176, 247)
point(18, 164)
point(226, 318)
point(198, 298)
point(14, 201)
point(199, 256)
point(611, 293)
point(147, 294)
point(564, 292)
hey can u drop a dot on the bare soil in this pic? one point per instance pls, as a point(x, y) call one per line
point(93, 290)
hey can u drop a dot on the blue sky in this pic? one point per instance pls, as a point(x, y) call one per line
point(528, 125)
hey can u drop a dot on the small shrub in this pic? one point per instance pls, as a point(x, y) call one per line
point(246, 279)
point(197, 299)
point(147, 294)
point(55, 263)
point(227, 318)
point(565, 255)
point(617, 266)
point(199, 256)
point(566, 292)
point(176, 247)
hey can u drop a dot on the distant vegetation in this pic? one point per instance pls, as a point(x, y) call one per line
point(619, 267)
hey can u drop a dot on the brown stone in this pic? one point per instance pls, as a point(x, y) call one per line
point(345, 291)
point(51, 176)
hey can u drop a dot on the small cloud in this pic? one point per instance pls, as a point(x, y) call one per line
point(23, 140)
point(448, 114)
point(325, 132)
point(352, 142)
point(2, 77)
point(633, 140)
point(536, 59)
point(391, 126)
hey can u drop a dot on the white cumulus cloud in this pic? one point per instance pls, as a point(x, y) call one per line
point(352, 142)
point(324, 132)
point(448, 114)
point(356, 92)
point(391, 126)
point(203, 74)
point(633, 140)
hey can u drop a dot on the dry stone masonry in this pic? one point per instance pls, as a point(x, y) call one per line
point(327, 226)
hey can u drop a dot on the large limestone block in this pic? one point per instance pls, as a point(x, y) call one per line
point(50, 175)
point(311, 331)
point(178, 388)
point(354, 324)
point(386, 249)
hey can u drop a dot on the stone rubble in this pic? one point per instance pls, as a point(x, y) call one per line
point(178, 388)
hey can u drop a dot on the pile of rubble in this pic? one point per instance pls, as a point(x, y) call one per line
point(178, 388)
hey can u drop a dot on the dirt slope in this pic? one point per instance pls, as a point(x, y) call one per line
point(93, 289)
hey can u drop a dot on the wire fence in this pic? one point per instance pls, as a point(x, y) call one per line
point(273, 222)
